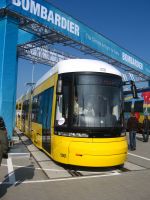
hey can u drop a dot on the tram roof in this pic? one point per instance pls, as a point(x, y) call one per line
point(79, 65)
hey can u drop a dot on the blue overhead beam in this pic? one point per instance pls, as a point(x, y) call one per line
point(46, 14)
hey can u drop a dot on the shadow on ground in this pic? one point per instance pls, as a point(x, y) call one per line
point(21, 174)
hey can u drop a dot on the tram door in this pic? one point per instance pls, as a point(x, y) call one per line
point(46, 111)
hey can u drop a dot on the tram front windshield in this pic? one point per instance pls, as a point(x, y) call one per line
point(90, 102)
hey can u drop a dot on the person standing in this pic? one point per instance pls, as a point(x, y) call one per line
point(132, 126)
point(146, 127)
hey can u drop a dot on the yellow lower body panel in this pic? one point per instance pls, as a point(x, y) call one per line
point(36, 134)
point(91, 152)
point(97, 161)
point(99, 153)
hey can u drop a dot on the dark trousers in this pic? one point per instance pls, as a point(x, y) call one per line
point(132, 140)
point(145, 136)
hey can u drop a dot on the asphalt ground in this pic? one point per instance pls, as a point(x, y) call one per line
point(29, 174)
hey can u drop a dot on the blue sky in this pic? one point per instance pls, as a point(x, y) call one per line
point(125, 22)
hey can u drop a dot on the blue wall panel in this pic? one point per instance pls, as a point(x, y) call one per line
point(2, 3)
point(8, 71)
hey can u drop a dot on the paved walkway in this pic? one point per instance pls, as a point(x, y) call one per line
point(29, 174)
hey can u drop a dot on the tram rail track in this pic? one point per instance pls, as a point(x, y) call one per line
point(74, 173)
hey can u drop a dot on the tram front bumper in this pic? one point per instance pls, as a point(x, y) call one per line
point(99, 153)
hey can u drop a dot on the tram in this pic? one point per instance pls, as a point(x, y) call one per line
point(74, 114)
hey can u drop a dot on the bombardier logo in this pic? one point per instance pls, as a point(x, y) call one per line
point(48, 15)
point(132, 61)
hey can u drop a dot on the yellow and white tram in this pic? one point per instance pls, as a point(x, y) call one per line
point(75, 114)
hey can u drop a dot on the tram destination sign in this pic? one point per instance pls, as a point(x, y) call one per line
point(44, 13)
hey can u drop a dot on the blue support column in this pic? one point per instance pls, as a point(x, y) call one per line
point(8, 71)
point(148, 83)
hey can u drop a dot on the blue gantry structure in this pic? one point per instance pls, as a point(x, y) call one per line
point(28, 27)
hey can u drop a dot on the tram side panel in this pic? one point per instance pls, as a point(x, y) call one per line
point(43, 112)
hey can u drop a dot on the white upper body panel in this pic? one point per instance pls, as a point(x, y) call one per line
point(79, 65)
point(86, 65)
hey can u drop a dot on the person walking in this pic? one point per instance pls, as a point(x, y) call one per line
point(132, 126)
point(146, 128)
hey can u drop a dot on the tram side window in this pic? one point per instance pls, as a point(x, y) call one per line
point(45, 107)
point(127, 106)
point(35, 108)
point(25, 109)
point(62, 107)
point(41, 107)
point(138, 106)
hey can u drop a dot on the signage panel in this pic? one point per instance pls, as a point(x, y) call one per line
point(44, 13)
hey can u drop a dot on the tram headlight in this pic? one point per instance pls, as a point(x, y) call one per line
point(68, 134)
